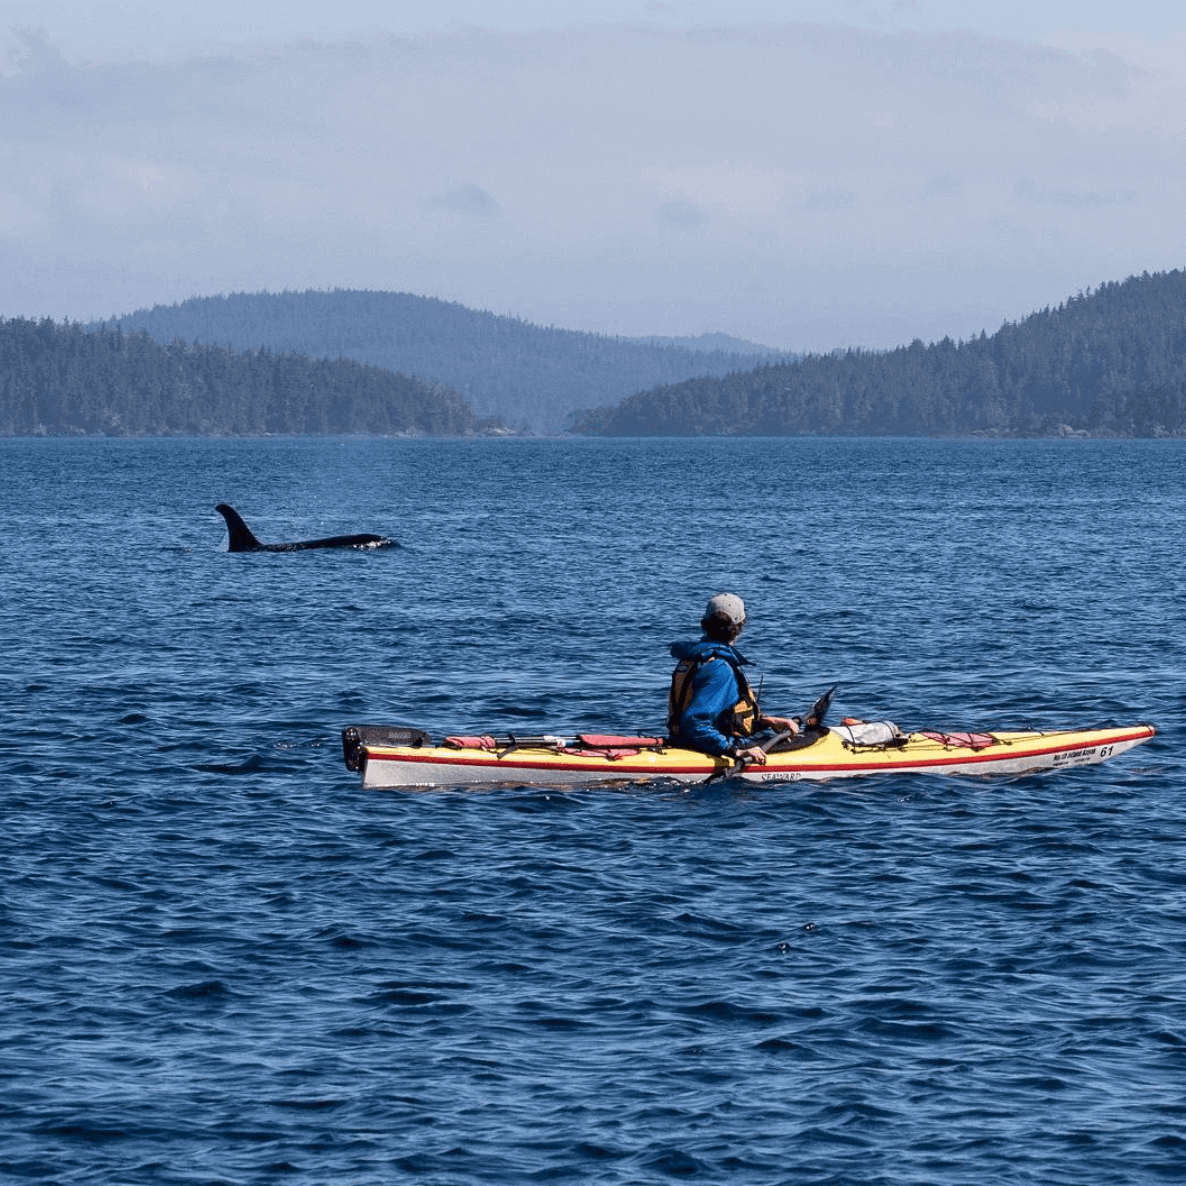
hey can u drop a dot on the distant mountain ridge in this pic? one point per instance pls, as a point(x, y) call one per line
point(1108, 362)
point(709, 342)
point(527, 375)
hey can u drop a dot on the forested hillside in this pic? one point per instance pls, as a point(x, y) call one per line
point(527, 375)
point(1111, 362)
point(59, 379)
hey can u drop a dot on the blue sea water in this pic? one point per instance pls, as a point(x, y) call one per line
point(222, 961)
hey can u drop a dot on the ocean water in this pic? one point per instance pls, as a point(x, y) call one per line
point(221, 961)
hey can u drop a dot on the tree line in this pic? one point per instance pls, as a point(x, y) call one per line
point(1108, 362)
point(58, 379)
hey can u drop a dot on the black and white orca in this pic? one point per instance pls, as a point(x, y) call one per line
point(242, 539)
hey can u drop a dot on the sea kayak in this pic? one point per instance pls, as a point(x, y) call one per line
point(399, 757)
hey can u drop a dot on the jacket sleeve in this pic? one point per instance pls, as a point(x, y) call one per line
point(714, 690)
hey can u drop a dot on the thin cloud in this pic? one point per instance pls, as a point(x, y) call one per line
point(470, 201)
point(31, 50)
point(1029, 192)
point(829, 199)
point(942, 185)
point(681, 216)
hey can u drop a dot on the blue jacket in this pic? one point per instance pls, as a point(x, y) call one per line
point(706, 719)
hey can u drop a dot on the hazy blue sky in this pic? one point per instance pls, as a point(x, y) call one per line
point(810, 174)
point(118, 23)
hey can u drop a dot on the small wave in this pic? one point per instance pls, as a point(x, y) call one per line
point(728, 1011)
point(256, 764)
point(777, 1045)
point(207, 990)
point(307, 1105)
point(676, 1163)
point(94, 1133)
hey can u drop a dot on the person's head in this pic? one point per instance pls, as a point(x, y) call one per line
point(724, 618)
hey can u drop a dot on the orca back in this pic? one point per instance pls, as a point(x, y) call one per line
point(241, 538)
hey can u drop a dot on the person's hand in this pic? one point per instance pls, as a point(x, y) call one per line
point(782, 724)
point(750, 753)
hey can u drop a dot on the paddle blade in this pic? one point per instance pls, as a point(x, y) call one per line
point(815, 718)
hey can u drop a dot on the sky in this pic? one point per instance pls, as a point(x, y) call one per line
point(808, 174)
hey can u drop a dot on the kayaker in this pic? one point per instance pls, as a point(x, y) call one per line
point(711, 707)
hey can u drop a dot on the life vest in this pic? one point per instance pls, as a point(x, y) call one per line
point(740, 719)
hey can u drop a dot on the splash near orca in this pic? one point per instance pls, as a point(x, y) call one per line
point(242, 539)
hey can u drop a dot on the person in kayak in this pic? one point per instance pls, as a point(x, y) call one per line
point(711, 707)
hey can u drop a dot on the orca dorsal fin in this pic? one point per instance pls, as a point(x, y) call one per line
point(240, 536)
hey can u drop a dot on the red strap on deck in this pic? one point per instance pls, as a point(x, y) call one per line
point(484, 742)
point(611, 741)
point(962, 740)
point(614, 753)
